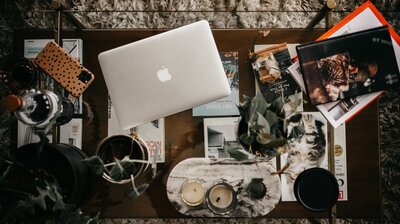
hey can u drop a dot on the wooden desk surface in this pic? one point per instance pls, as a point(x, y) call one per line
point(184, 133)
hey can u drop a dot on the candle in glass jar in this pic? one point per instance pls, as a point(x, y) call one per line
point(221, 196)
point(193, 192)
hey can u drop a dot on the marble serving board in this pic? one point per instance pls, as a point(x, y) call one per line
point(237, 174)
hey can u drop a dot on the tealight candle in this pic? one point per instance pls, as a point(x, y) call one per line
point(221, 198)
point(193, 192)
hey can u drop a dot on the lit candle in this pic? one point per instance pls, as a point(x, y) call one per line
point(193, 192)
point(221, 198)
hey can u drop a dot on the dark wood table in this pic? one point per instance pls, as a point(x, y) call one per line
point(184, 133)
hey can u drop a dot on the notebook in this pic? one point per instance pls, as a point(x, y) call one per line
point(164, 74)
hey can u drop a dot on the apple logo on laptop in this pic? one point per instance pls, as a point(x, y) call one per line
point(163, 74)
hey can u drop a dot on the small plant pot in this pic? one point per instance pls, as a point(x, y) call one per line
point(119, 146)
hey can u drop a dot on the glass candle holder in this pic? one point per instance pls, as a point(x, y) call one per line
point(193, 192)
point(221, 198)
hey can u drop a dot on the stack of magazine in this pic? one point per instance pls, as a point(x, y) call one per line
point(364, 18)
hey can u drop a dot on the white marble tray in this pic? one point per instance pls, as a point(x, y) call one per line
point(237, 174)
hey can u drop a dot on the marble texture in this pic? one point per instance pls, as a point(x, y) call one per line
point(237, 174)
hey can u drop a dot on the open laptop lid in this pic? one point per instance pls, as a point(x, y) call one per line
point(164, 74)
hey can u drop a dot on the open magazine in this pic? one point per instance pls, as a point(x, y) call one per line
point(364, 17)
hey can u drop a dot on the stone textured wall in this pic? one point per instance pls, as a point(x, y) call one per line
point(112, 14)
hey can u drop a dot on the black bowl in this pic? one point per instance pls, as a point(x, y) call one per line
point(316, 189)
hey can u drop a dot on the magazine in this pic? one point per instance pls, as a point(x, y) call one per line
point(309, 150)
point(349, 65)
point(285, 84)
point(152, 133)
point(227, 105)
point(364, 17)
point(337, 112)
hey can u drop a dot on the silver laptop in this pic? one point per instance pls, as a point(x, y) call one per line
point(164, 74)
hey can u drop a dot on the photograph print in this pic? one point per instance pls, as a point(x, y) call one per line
point(349, 65)
point(219, 136)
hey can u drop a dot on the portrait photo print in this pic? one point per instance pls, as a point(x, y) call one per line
point(349, 65)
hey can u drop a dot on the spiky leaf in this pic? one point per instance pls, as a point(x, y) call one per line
point(135, 193)
point(95, 165)
point(122, 170)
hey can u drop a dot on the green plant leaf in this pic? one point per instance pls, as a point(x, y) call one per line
point(276, 106)
point(135, 193)
point(246, 139)
point(95, 165)
point(236, 154)
point(122, 170)
point(271, 117)
point(261, 121)
point(264, 138)
point(40, 198)
point(258, 104)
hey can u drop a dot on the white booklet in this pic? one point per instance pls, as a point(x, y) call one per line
point(298, 158)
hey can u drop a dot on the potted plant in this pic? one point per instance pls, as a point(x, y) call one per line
point(42, 182)
point(121, 159)
point(262, 128)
